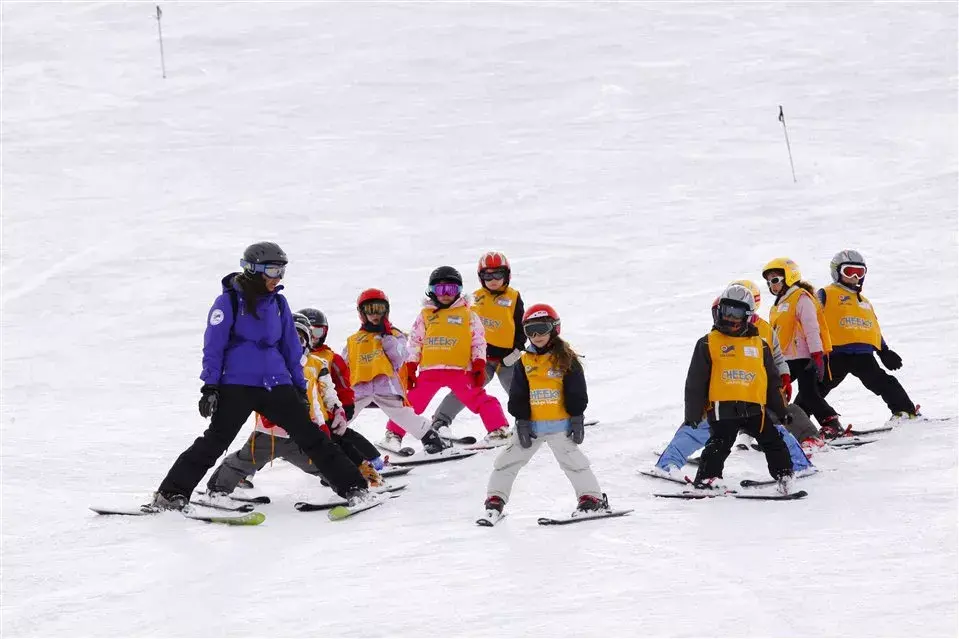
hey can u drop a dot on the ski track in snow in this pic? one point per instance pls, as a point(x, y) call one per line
point(628, 159)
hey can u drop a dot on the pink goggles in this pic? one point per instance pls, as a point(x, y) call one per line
point(445, 289)
point(857, 271)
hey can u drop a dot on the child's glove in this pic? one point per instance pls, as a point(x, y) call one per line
point(820, 364)
point(524, 430)
point(349, 409)
point(890, 360)
point(338, 421)
point(575, 429)
point(478, 373)
point(513, 357)
point(787, 388)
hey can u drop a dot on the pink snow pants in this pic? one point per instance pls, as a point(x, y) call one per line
point(429, 382)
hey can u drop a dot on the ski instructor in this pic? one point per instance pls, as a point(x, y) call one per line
point(251, 362)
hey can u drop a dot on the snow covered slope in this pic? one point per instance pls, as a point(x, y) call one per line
point(628, 159)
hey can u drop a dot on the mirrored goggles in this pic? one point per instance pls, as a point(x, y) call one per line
point(373, 308)
point(446, 289)
point(730, 312)
point(272, 271)
point(857, 271)
point(493, 274)
point(532, 329)
point(318, 332)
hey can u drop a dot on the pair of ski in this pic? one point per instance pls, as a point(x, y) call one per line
point(492, 517)
point(706, 494)
point(407, 456)
point(252, 518)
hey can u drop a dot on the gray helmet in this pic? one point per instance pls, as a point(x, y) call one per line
point(264, 253)
point(845, 256)
point(736, 300)
point(302, 323)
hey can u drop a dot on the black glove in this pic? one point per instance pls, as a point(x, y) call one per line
point(786, 418)
point(524, 430)
point(575, 429)
point(209, 398)
point(690, 424)
point(349, 409)
point(890, 359)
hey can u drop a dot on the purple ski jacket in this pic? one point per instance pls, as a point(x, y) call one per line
point(251, 351)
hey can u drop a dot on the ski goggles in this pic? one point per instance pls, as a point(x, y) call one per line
point(532, 329)
point(493, 274)
point(272, 271)
point(857, 271)
point(318, 333)
point(776, 279)
point(445, 289)
point(730, 312)
point(374, 308)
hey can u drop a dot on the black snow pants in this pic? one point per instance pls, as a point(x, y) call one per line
point(879, 382)
point(809, 397)
point(282, 406)
point(723, 435)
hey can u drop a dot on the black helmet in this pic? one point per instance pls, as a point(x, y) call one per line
point(264, 253)
point(446, 274)
point(316, 317)
point(318, 325)
point(302, 324)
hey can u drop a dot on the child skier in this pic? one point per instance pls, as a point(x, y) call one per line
point(376, 354)
point(350, 440)
point(448, 347)
point(500, 308)
point(548, 398)
point(733, 379)
point(800, 325)
point(274, 442)
point(855, 334)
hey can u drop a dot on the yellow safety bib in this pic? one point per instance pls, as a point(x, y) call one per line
point(738, 373)
point(497, 313)
point(367, 360)
point(448, 338)
point(851, 320)
point(546, 400)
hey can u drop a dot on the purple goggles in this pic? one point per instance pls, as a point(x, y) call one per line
point(444, 289)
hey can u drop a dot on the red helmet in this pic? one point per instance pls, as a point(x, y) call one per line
point(541, 312)
point(372, 295)
point(491, 260)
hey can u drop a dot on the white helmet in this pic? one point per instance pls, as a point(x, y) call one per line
point(843, 257)
point(734, 309)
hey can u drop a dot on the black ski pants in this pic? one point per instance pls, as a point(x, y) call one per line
point(867, 369)
point(809, 397)
point(356, 447)
point(282, 406)
point(723, 435)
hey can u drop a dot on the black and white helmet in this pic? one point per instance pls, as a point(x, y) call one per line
point(303, 328)
point(734, 310)
point(845, 256)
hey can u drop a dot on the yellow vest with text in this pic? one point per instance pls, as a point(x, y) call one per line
point(738, 373)
point(367, 359)
point(447, 340)
point(850, 320)
point(497, 314)
point(546, 401)
point(782, 316)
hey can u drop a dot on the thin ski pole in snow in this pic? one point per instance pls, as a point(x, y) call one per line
point(782, 118)
point(160, 33)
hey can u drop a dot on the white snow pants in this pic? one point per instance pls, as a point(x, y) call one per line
point(398, 411)
point(571, 459)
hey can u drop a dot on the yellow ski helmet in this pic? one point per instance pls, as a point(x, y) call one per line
point(787, 266)
point(752, 289)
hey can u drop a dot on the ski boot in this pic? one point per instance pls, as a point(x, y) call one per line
point(442, 428)
point(433, 443)
point(498, 437)
point(494, 503)
point(167, 501)
point(709, 483)
point(588, 503)
point(784, 484)
point(831, 428)
point(369, 473)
